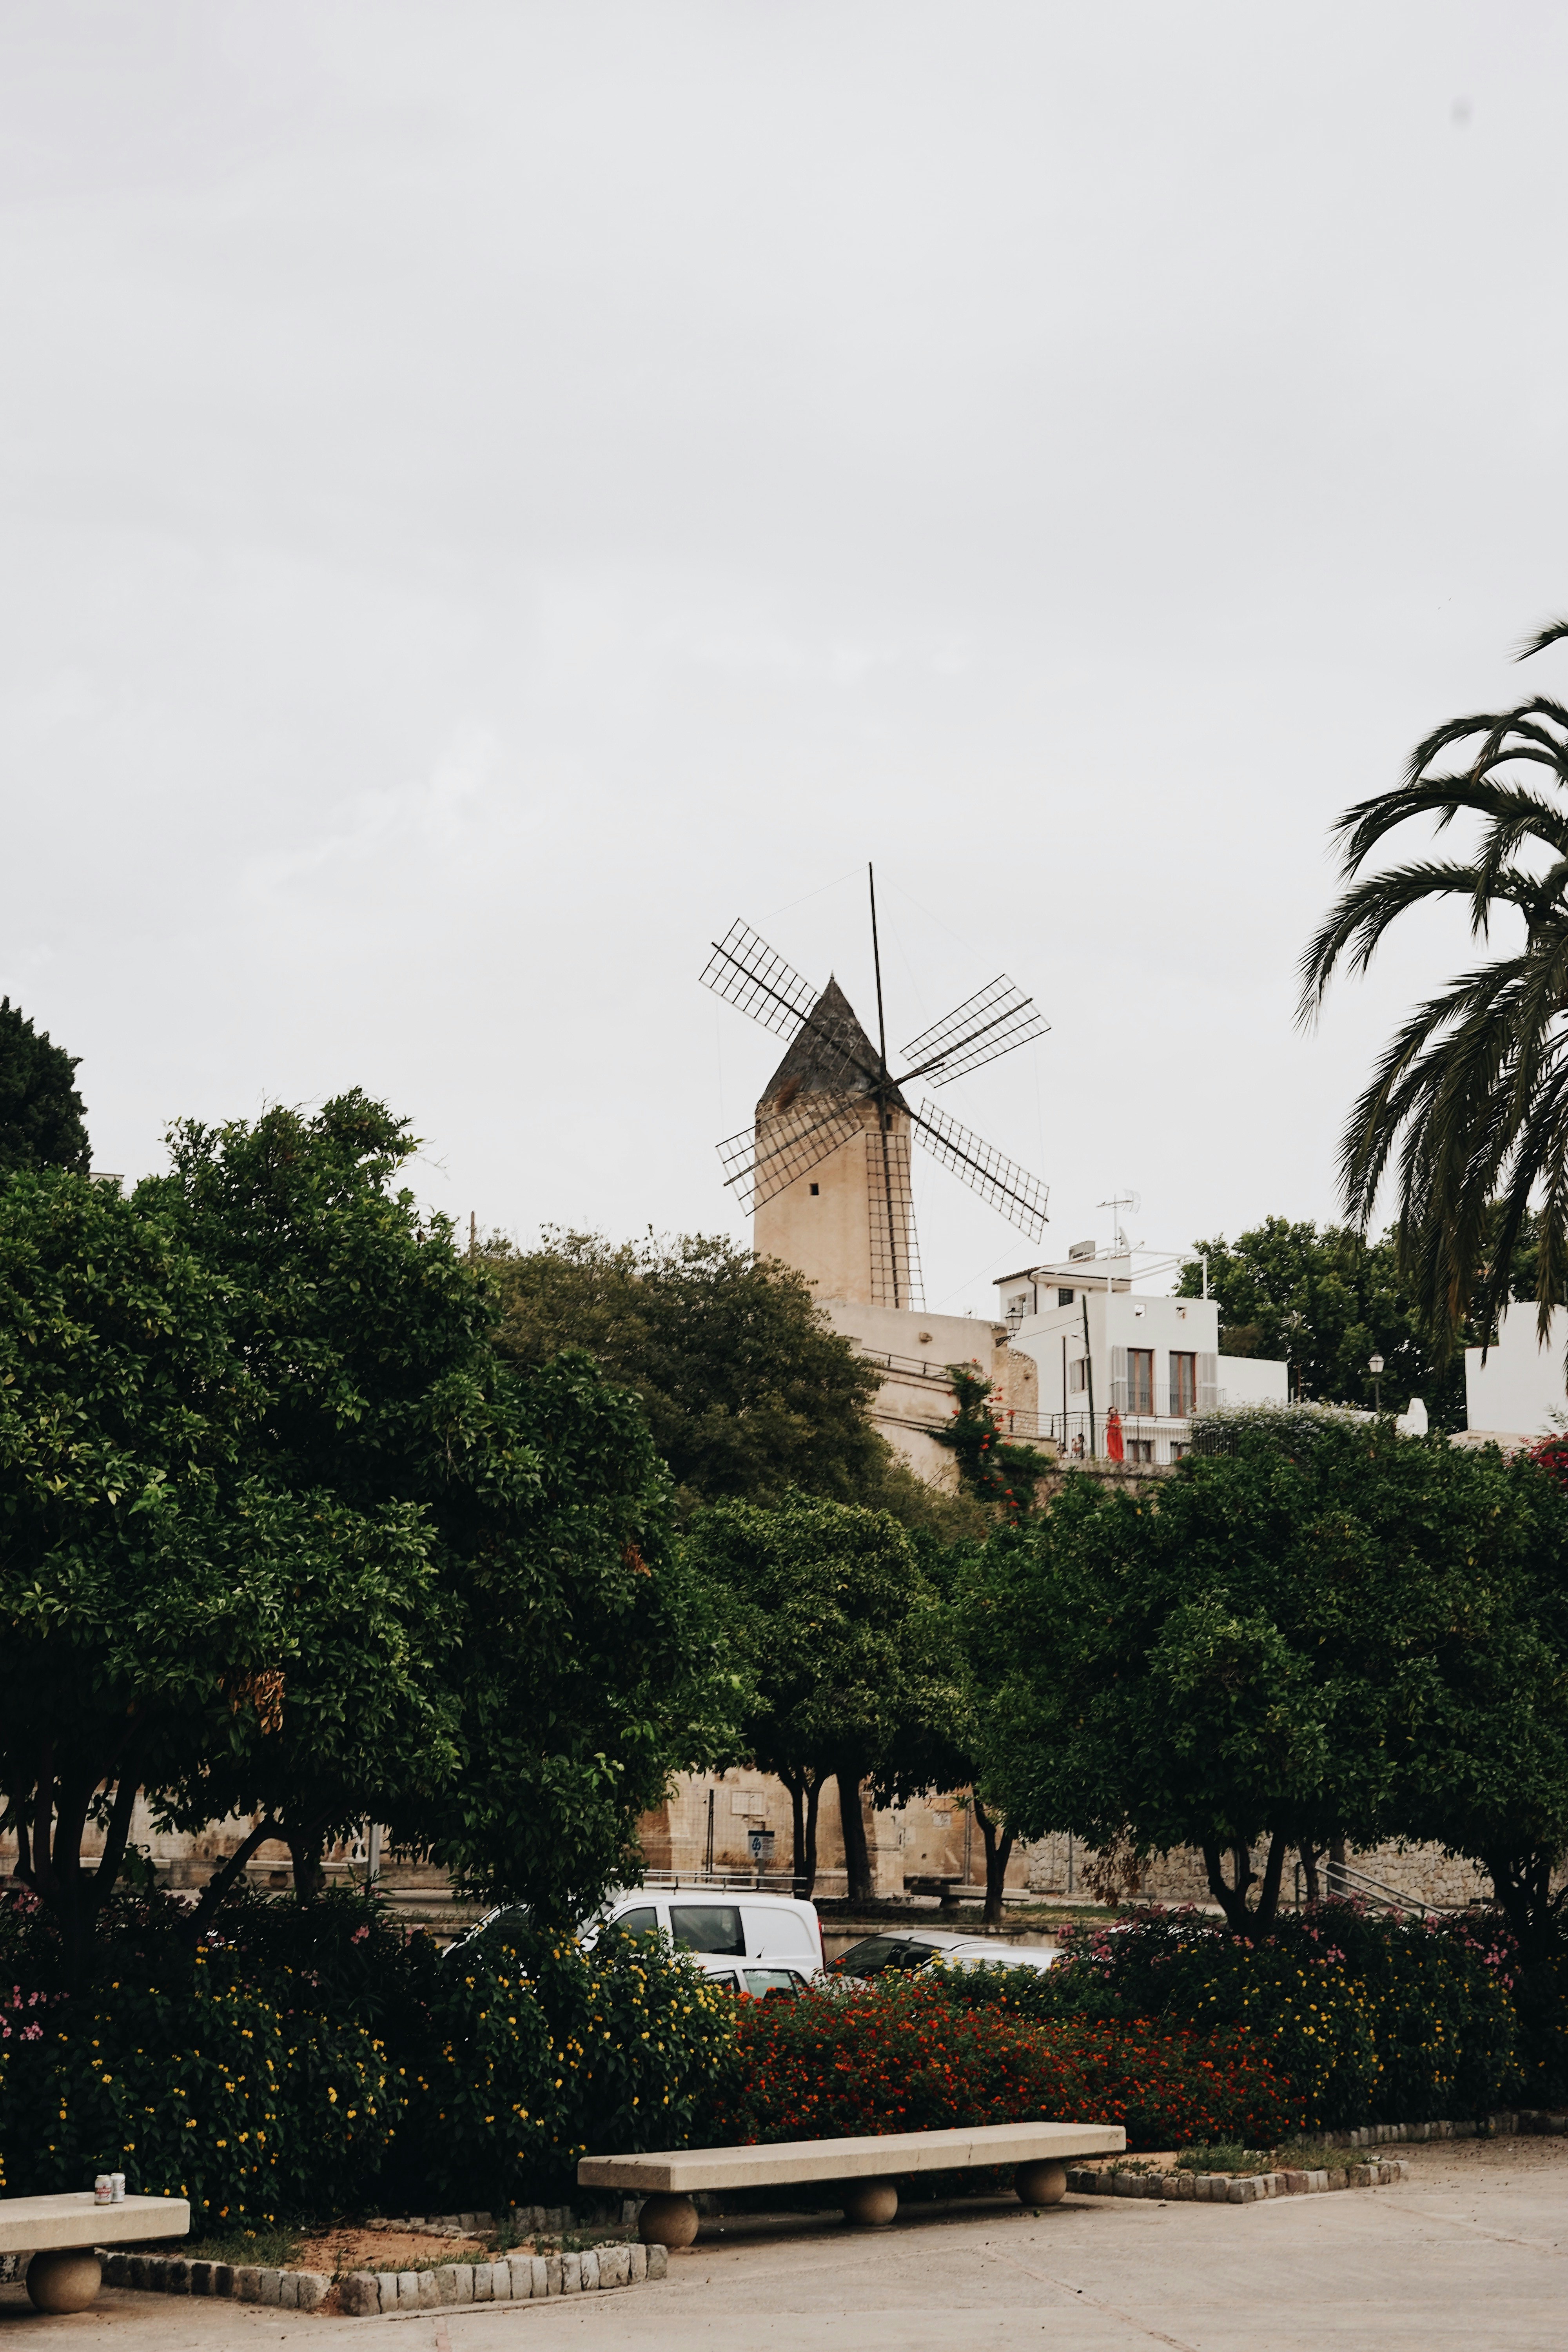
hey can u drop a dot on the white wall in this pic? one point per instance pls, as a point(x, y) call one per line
point(1253, 1380)
point(1518, 1390)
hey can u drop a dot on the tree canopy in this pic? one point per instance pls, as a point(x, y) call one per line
point(846, 1650)
point(1325, 1299)
point(1333, 1631)
point(42, 1120)
point(281, 1532)
point(749, 1394)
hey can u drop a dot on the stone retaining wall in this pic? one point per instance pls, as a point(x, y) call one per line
point(517, 2278)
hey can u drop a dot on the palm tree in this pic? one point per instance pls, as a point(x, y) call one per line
point(1472, 1092)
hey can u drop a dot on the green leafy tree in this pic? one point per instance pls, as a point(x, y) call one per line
point(1469, 1102)
point(748, 1392)
point(578, 1665)
point(280, 1532)
point(41, 1115)
point(156, 1597)
point(1325, 1299)
point(841, 1639)
point(1316, 1634)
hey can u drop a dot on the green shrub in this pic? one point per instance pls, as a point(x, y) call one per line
point(542, 2053)
point(197, 2089)
point(1370, 2019)
point(307, 2059)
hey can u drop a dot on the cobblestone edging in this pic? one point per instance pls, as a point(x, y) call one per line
point(519, 2278)
point(1235, 2189)
point(1251, 2187)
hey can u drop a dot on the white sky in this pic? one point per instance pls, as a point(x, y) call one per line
point(494, 492)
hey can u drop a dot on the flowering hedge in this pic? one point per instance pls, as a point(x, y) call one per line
point(1368, 2019)
point(315, 2060)
point(536, 2053)
point(902, 2055)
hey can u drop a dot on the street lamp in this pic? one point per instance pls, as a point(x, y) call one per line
point(1374, 1366)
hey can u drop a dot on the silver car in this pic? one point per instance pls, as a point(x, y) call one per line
point(906, 1950)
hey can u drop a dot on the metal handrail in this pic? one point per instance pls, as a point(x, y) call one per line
point(1334, 1872)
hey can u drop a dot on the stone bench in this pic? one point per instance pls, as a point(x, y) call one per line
point(60, 2233)
point(667, 2178)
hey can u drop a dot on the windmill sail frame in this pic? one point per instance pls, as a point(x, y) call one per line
point(844, 1085)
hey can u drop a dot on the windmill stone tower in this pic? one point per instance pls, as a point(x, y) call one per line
point(847, 1222)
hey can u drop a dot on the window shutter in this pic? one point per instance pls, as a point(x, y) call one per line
point(1208, 1383)
point(1119, 1379)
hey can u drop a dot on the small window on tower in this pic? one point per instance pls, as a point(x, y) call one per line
point(817, 1188)
point(1064, 1298)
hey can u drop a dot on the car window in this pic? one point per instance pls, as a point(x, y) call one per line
point(725, 1977)
point(879, 1952)
point(761, 1981)
point(641, 1920)
point(706, 1927)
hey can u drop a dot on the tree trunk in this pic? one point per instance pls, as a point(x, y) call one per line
point(813, 1800)
point(856, 1860)
point(998, 1842)
point(305, 1853)
point(1268, 1909)
point(1338, 1883)
point(1310, 1857)
point(220, 1882)
point(796, 1787)
point(1232, 1900)
point(1523, 1883)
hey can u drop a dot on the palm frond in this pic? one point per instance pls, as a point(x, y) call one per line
point(1542, 639)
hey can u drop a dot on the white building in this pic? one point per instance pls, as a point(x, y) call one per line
point(1520, 1392)
point(1102, 1346)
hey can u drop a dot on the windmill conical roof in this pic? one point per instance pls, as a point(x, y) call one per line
point(822, 1059)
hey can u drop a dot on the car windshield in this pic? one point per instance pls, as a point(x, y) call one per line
point(879, 1952)
point(762, 1982)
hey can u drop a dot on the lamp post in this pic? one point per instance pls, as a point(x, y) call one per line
point(1374, 1366)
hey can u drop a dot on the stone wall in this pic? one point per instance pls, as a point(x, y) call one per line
point(1421, 1873)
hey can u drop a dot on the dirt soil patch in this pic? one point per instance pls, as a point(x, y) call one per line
point(350, 2248)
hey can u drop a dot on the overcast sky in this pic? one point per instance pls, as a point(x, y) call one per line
point(496, 491)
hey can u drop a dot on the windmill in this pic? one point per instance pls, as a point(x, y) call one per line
point(825, 1166)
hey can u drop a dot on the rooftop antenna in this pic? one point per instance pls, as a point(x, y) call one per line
point(848, 1074)
point(1131, 1202)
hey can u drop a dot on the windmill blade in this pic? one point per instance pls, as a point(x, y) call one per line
point(792, 1143)
point(1020, 1197)
point(745, 972)
point(984, 1028)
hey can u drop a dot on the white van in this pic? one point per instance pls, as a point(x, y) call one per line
point(770, 1928)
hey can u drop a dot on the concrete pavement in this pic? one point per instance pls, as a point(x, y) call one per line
point(1472, 2252)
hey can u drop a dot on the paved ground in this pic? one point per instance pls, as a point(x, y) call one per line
point(1473, 2253)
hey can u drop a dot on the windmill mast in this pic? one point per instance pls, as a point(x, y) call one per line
point(883, 1092)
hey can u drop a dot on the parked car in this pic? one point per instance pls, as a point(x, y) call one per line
point(775, 1929)
point(741, 1976)
point(901, 1950)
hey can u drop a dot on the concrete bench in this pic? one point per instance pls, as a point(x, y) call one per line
point(60, 2233)
point(668, 2178)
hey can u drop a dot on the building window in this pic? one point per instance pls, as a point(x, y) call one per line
point(1074, 1375)
point(1183, 1384)
point(815, 1189)
point(1140, 1380)
point(1065, 1298)
point(1141, 1449)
